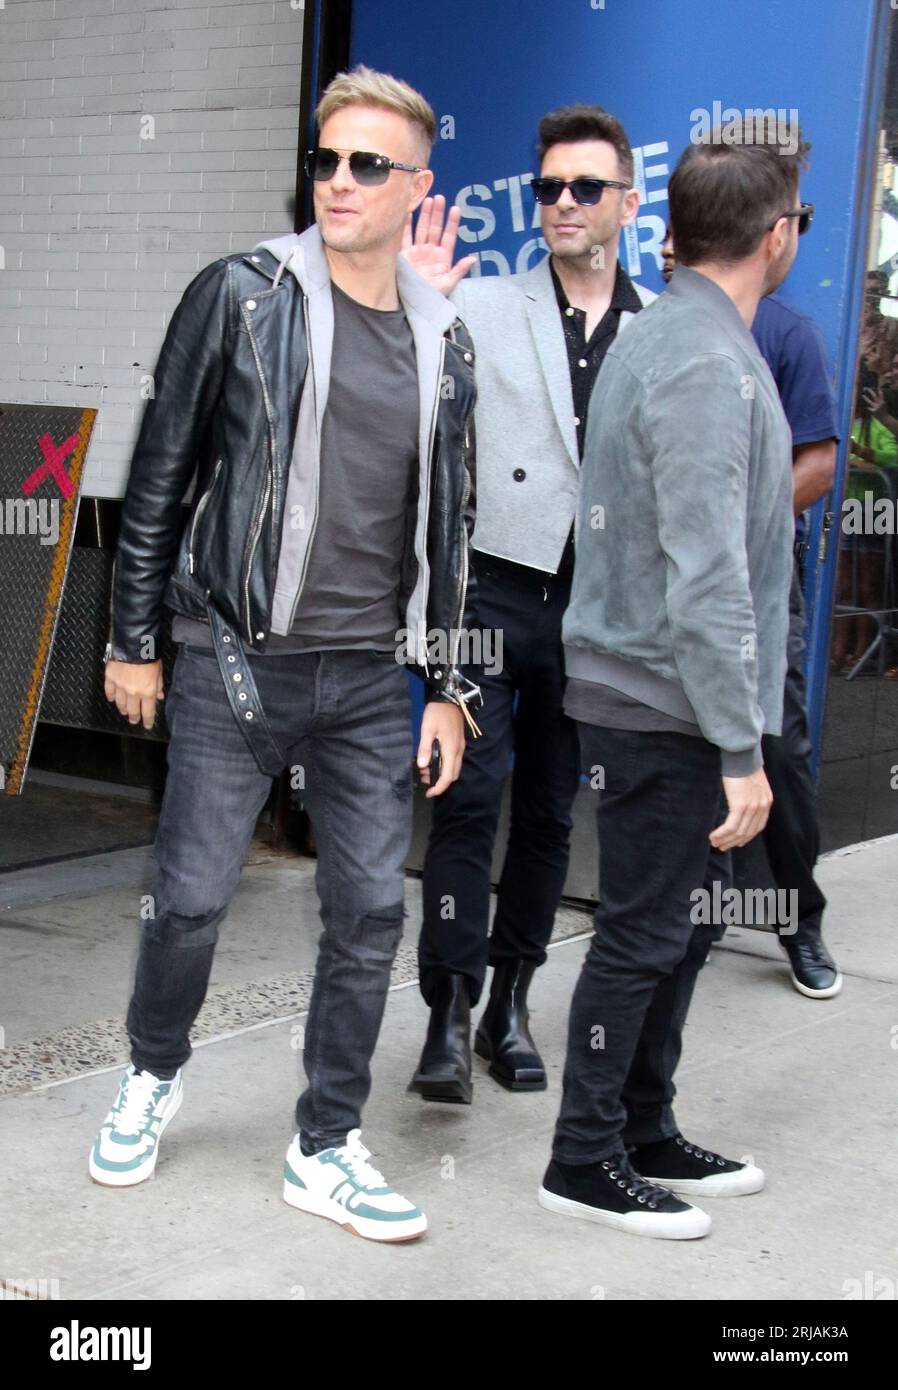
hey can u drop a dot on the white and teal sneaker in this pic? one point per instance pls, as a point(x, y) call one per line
point(342, 1185)
point(126, 1148)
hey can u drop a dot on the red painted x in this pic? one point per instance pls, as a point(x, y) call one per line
point(53, 457)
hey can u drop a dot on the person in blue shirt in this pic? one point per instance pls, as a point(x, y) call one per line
point(792, 345)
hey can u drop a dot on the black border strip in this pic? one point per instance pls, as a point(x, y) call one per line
point(326, 44)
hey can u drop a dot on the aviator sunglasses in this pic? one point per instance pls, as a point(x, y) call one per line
point(585, 191)
point(366, 168)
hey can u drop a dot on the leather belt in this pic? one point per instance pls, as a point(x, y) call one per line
point(243, 695)
point(246, 705)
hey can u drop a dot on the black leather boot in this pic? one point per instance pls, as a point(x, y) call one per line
point(503, 1037)
point(444, 1071)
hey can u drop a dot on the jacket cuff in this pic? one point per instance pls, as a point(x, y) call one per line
point(115, 651)
point(741, 764)
point(434, 692)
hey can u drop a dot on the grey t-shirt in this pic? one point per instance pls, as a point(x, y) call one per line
point(367, 484)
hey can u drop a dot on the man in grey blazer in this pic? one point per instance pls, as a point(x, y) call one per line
point(539, 341)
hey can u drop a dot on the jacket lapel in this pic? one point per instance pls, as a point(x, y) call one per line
point(548, 339)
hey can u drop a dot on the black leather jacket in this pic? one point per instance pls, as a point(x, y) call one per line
point(225, 403)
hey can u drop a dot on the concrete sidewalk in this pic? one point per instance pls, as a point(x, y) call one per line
point(807, 1087)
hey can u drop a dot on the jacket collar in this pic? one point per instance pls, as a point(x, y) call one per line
point(624, 297)
point(690, 285)
point(303, 254)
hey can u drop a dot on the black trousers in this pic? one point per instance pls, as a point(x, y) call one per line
point(526, 608)
point(791, 836)
point(660, 802)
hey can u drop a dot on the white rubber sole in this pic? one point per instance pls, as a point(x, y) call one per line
point(390, 1233)
point(661, 1225)
point(834, 989)
point(133, 1176)
point(748, 1179)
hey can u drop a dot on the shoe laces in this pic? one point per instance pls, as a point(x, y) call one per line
point(621, 1171)
point(808, 944)
point(137, 1103)
point(355, 1156)
point(708, 1155)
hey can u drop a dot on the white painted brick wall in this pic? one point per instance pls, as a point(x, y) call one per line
point(100, 229)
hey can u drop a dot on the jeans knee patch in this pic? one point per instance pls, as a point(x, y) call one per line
point(379, 931)
point(386, 918)
point(172, 929)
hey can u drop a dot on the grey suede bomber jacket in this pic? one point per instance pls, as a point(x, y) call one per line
point(684, 526)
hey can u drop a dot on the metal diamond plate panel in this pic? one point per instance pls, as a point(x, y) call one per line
point(42, 453)
point(73, 694)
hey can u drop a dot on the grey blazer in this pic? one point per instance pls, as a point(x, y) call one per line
point(524, 418)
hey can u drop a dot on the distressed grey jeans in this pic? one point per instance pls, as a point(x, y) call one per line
point(343, 719)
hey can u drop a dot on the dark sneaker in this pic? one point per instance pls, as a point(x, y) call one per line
point(698, 1172)
point(814, 972)
point(611, 1193)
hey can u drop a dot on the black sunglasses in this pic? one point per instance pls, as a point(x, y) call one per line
point(805, 215)
point(366, 168)
point(586, 191)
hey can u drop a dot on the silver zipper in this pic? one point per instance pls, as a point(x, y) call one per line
point(463, 587)
point(111, 623)
point(265, 396)
point(257, 531)
point(309, 368)
point(200, 508)
point(433, 430)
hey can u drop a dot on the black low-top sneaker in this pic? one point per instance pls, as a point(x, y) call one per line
point(611, 1193)
point(698, 1172)
point(814, 972)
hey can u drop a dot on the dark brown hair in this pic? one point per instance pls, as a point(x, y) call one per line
point(572, 123)
point(724, 196)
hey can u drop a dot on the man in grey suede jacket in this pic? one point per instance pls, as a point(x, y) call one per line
point(684, 526)
point(675, 651)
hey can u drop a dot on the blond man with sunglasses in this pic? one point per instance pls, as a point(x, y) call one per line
point(304, 385)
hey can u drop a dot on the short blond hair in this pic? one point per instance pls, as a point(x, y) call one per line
point(365, 86)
